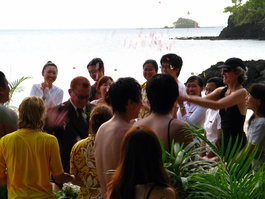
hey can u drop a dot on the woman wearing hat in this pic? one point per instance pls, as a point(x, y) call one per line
point(230, 100)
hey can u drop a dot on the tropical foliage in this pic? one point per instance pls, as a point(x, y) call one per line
point(232, 176)
point(15, 86)
point(252, 11)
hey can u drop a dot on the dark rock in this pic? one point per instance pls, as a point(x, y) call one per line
point(255, 73)
point(244, 31)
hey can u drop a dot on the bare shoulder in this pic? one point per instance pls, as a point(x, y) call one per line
point(180, 131)
point(179, 124)
point(139, 122)
point(163, 192)
point(242, 91)
point(169, 193)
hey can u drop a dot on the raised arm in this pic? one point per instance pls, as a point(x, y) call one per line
point(237, 97)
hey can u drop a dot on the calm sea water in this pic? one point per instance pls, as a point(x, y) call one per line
point(24, 52)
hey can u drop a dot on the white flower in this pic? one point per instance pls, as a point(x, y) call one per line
point(70, 190)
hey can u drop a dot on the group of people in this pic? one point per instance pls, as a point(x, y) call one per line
point(105, 138)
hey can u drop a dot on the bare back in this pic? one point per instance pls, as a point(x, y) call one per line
point(159, 124)
point(107, 148)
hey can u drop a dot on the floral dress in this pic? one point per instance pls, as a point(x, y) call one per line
point(83, 165)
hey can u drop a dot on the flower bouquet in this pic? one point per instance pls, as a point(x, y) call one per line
point(68, 191)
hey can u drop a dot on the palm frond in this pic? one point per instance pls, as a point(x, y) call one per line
point(15, 86)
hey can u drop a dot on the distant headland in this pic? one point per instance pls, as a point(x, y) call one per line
point(247, 21)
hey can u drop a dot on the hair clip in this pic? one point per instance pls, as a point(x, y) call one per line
point(85, 85)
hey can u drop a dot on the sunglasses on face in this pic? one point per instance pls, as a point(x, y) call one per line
point(81, 97)
point(226, 70)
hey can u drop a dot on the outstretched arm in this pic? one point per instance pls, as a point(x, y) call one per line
point(234, 98)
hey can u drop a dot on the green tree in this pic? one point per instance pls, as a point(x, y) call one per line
point(253, 11)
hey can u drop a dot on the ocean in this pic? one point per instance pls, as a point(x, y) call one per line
point(24, 52)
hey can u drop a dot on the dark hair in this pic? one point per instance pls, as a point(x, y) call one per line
point(194, 78)
point(94, 61)
point(140, 163)
point(257, 90)
point(121, 91)
point(2, 80)
point(218, 81)
point(99, 115)
point(102, 81)
point(153, 62)
point(49, 63)
point(172, 59)
point(162, 92)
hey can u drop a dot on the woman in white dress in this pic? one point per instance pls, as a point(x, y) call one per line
point(51, 94)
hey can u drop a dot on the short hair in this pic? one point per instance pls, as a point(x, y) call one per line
point(162, 92)
point(194, 78)
point(153, 62)
point(2, 80)
point(96, 61)
point(218, 81)
point(49, 63)
point(121, 91)
point(243, 74)
point(172, 59)
point(79, 81)
point(99, 114)
point(140, 163)
point(31, 113)
point(102, 81)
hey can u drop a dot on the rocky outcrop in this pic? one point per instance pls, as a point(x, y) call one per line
point(244, 31)
point(255, 73)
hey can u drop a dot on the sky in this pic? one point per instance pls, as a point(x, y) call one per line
point(78, 14)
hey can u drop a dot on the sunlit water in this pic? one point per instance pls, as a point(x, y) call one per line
point(24, 52)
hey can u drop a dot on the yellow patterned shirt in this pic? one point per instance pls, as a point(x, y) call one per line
point(83, 165)
point(143, 111)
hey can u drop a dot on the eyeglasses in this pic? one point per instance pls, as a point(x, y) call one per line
point(166, 67)
point(81, 97)
point(226, 70)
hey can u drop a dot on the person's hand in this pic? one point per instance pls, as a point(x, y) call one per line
point(44, 85)
point(55, 118)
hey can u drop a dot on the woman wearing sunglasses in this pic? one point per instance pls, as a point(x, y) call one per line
point(230, 100)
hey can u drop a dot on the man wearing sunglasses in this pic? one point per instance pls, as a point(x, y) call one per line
point(69, 121)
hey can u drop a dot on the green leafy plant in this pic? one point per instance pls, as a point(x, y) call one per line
point(3, 192)
point(15, 86)
point(232, 176)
